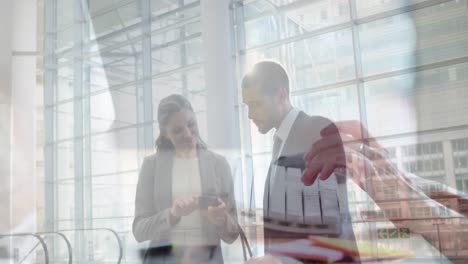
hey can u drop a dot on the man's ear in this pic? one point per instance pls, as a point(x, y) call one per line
point(283, 94)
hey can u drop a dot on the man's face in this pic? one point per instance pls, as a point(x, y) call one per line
point(263, 109)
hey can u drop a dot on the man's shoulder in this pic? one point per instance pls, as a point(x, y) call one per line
point(304, 132)
point(313, 121)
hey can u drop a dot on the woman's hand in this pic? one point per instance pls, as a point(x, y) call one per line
point(183, 206)
point(216, 214)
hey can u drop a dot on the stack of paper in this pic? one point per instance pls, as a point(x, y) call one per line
point(334, 249)
point(303, 249)
point(362, 250)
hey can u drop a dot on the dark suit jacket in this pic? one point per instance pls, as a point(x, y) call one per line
point(304, 132)
point(154, 196)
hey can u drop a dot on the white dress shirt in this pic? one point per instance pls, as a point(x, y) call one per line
point(282, 133)
point(286, 125)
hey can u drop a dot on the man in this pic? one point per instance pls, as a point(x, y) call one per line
point(265, 91)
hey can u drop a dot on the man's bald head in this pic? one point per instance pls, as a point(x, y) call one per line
point(268, 77)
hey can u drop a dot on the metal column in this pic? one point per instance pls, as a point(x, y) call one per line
point(147, 94)
point(78, 132)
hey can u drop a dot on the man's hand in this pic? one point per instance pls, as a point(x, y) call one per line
point(183, 206)
point(217, 214)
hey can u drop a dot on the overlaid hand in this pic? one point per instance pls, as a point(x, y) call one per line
point(344, 145)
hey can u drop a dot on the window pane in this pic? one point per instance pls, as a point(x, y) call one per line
point(114, 152)
point(323, 60)
point(65, 79)
point(335, 104)
point(312, 62)
point(110, 110)
point(266, 21)
point(372, 7)
point(122, 185)
point(66, 194)
point(65, 161)
point(415, 100)
point(65, 120)
point(421, 37)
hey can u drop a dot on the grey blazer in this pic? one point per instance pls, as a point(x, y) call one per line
point(154, 196)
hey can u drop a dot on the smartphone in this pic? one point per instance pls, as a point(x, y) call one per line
point(204, 201)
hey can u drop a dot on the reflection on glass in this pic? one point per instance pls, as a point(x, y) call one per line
point(323, 60)
point(421, 37)
point(65, 190)
point(368, 8)
point(336, 104)
point(102, 116)
point(315, 61)
point(417, 94)
point(64, 83)
point(268, 21)
point(105, 188)
point(171, 58)
point(65, 161)
point(387, 44)
point(64, 118)
point(417, 114)
point(114, 152)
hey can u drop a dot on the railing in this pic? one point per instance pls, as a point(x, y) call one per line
point(67, 242)
point(119, 241)
point(245, 243)
point(40, 242)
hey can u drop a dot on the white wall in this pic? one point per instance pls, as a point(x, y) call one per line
point(5, 88)
point(219, 66)
point(17, 115)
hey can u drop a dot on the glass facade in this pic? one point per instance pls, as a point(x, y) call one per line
point(110, 63)
point(396, 66)
point(399, 67)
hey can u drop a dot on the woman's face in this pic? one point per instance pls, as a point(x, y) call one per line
point(182, 130)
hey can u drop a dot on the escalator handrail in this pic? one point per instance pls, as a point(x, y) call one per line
point(97, 229)
point(41, 241)
point(69, 247)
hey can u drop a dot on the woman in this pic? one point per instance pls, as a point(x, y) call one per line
point(171, 182)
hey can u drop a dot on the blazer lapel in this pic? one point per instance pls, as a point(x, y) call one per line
point(205, 163)
point(294, 143)
point(163, 183)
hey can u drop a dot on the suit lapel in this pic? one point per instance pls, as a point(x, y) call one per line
point(294, 143)
point(266, 194)
point(289, 148)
